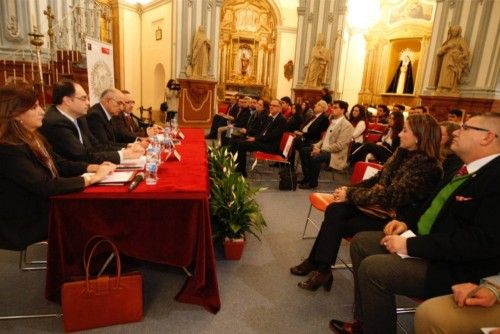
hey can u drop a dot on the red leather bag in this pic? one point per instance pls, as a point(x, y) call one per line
point(101, 301)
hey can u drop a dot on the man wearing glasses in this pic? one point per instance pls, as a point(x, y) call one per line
point(126, 124)
point(268, 140)
point(111, 103)
point(66, 129)
point(457, 237)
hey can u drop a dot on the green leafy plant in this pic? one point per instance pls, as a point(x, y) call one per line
point(233, 207)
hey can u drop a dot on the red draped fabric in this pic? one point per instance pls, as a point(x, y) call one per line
point(166, 223)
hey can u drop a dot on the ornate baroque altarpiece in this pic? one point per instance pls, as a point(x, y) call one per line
point(247, 48)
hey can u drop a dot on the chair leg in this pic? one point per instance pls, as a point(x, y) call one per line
point(309, 220)
point(26, 265)
point(34, 316)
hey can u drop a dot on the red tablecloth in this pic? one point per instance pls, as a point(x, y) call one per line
point(166, 223)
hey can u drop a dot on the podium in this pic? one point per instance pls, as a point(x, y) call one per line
point(196, 102)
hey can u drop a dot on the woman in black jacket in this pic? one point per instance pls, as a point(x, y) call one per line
point(389, 142)
point(30, 173)
point(407, 179)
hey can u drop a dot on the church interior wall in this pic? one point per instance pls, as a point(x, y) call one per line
point(286, 52)
point(351, 69)
point(131, 53)
point(156, 54)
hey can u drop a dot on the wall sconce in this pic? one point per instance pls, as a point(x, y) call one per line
point(158, 34)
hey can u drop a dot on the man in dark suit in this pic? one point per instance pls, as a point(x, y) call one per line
point(111, 103)
point(221, 119)
point(126, 124)
point(311, 130)
point(67, 131)
point(457, 241)
point(267, 141)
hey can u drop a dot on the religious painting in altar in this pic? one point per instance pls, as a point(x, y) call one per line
point(246, 47)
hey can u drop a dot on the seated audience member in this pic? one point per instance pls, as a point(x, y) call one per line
point(382, 150)
point(295, 120)
point(383, 114)
point(240, 120)
point(286, 106)
point(455, 115)
point(332, 148)
point(314, 126)
point(111, 103)
point(451, 162)
point(478, 307)
point(66, 129)
point(457, 241)
point(416, 110)
point(327, 97)
point(30, 173)
point(126, 124)
point(398, 107)
point(256, 122)
point(268, 140)
point(357, 117)
point(311, 130)
point(221, 119)
point(307, 111)
point(407, 179)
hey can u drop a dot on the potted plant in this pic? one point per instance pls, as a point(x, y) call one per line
point(233, 207)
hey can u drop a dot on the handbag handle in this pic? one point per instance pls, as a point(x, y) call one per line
point(86, 261)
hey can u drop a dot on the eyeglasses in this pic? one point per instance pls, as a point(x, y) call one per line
point(130, 102)
point(118, 102)
point(466, 127)
point(82, 98)
point(275, 105)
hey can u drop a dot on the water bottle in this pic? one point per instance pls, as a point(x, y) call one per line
point(151, 172)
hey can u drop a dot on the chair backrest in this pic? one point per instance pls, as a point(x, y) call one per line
point(373, 137)
point(286, 143)
point(364, 170)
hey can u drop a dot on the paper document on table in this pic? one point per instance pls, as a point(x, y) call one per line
point(116, 178)
point(407, 234)
point(133, 164)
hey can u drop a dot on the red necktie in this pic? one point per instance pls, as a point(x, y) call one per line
point(462, 171)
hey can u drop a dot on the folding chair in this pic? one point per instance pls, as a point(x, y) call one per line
point(286, 147)
point(362, 171)
point(25, 265)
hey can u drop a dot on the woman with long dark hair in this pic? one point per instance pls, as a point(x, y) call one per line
point(30, 172)
point(357, 117)
point(407, 179)
point(382, 150)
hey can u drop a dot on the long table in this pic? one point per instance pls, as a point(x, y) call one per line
point(166, 223)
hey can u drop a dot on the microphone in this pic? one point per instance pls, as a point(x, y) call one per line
point(137, 179)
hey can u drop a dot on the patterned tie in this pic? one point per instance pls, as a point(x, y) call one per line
point(462, 171)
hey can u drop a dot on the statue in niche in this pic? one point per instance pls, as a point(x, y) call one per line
point(200, 54)
point(318, 62)
point(245, 58)
point(452, 61)
point(402, 82)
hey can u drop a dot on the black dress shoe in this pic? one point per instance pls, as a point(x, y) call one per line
point(316, 280)
point(341, 327)
point(303, 269)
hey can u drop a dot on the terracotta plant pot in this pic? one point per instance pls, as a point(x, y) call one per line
point(233, 248)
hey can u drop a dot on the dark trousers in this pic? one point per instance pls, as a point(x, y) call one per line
point(243, 147)
point(378, 277)
point(217, 122)
point(312, 165)
point(341, 220)
point(380, 152)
